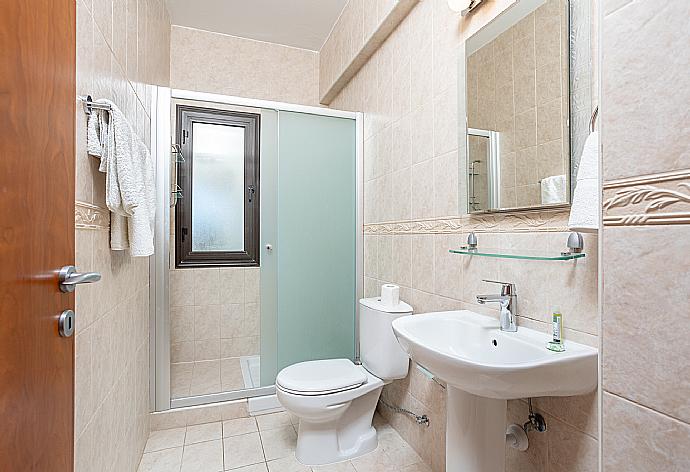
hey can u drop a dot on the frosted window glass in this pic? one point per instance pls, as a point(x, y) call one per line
point(217, 188)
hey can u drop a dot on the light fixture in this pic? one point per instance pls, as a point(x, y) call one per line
point(463, 6)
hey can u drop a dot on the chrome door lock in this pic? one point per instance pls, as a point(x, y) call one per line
point(66, 323)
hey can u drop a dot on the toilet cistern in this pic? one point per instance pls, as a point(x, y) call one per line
point(507, 299)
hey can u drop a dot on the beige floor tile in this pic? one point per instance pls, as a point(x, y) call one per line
point(205, 456)
point(279, 443)
point(376, 461)
point(420, 467)
point(264, 444)
point(205, 378)
point(231, 374)
point(161, 461)
point(203, 432)
point(400, 454)
point(294, 419)
point(252, 468)
point(243, 450)
point(273, 420)
point(339, 467)
point(165, 439)
point(287, 464)
point(239, 426)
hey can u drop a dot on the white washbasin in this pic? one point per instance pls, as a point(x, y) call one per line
point(471, 353)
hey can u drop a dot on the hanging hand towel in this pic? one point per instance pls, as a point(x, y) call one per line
point(585, 211)
point(130, 186)
point(553, 189)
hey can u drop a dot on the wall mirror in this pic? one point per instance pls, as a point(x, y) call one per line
point(517, 106)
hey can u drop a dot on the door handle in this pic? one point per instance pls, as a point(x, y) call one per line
point(69, 278)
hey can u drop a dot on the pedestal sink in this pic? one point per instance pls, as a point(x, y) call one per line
point(484, 367)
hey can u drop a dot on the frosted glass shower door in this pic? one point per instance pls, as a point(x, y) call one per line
point(314, 251)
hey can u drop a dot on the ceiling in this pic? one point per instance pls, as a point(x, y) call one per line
point(299, 23)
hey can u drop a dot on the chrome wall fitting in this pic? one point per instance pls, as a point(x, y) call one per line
point(419, 419)
point(575, 244)
point(472, 241)
point(535, 421)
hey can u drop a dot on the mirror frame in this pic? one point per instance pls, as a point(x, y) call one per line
point(463, 161)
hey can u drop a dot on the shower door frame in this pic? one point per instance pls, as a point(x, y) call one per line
point(159, 333)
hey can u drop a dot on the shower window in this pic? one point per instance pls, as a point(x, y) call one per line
point(217, 217)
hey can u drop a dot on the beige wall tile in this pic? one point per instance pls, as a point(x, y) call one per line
point(371, 255)
point(236, 69)
point(446, 184)
point(182, 352)
point(251, 285)
point(571, 450)
point(448, 280)
point(206, 322)
point(422, 133)
point(385, 258)
point(206, 287)
point(526, 129)
point(182, 288)
point(112, 353)
point(181, 324)
point(636, 47)
point(639, 439)
point(643, 334)
point(402, 195)
point(402, 260)
point(580, 411)
point(207, 349)
point(423, 190)
point(423, 272)
point(232, 285)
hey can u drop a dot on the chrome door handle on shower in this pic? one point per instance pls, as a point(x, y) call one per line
point(69, 278)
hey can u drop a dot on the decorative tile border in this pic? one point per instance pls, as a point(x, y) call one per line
point(526, 221)
point(660, 199)
point(88, 216)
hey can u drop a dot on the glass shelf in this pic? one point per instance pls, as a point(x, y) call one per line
point(517, 254)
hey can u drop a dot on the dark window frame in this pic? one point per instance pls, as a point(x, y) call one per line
point(186, 116)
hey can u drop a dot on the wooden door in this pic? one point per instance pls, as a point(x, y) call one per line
point(37, 148)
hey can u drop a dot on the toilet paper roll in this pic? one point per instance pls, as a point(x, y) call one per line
point(390, 294)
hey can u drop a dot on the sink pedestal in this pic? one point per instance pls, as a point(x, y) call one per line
point(475, 433)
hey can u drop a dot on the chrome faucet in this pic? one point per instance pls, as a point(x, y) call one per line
point(508, 302)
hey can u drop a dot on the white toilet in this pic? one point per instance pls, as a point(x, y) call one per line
point(335, 399)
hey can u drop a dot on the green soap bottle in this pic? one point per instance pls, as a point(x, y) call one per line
point(557, 343)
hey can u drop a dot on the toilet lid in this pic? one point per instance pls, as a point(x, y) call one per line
point(321, 377)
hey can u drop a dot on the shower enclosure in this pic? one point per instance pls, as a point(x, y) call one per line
point(483, 170)
point(221, 331)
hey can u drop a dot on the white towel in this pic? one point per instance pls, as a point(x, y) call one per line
point(585, 211)
point(130, 188)
point(553, 189)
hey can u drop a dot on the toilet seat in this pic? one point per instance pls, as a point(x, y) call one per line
point(321, 377)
